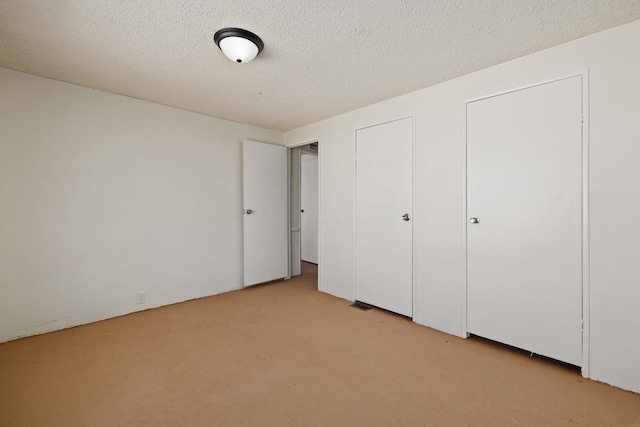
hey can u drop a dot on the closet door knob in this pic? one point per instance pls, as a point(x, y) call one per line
point(474, 220)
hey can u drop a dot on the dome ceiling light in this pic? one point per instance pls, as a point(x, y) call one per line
point(238, 45)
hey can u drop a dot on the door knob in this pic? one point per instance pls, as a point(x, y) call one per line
point(248, 211)
point(474, 220)
point(405, 217)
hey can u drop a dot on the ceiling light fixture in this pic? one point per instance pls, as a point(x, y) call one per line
point(238, 45)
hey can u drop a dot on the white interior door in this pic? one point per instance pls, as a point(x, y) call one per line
point(524, 252)
point(265, 212)
point(309, 208)
point(384, 216)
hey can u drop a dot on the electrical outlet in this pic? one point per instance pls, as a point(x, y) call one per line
point(141, 297)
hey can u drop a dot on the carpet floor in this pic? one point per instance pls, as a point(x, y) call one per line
point(283, 354)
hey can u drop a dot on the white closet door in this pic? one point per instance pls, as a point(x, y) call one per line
point(309, 207)
point(384, 216)
point(265, 212)
point(524, 253)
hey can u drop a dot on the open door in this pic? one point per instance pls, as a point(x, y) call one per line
point(265, 212)
point(309, 208)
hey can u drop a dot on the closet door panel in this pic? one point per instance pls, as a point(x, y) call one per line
point(524, 230)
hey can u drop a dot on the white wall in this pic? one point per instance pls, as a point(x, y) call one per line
point(614, 66)
point(103, 195)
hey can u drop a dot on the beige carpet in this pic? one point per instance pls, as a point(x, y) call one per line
point(282, 354)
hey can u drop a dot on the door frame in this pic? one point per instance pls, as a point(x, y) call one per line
point(585, 208)
point(289, 147)
point(413, 205)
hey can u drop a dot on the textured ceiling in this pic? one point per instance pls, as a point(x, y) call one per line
point(321, 58)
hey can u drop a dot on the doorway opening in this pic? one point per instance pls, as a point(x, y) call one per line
point(304, 203)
